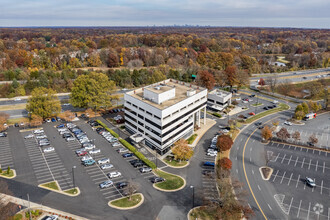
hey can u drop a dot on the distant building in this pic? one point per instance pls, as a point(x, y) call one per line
point(162, 113)
point(218, 99)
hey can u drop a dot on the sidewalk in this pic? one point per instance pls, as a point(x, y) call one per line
point(25, 203)
point(203, 129)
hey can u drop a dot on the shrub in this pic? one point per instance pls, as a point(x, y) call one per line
point(8, 170)
point(225, 163)
point(108, 129)
point(192, 138)
point(0, 170)
point(18, 217)
point(217, 115)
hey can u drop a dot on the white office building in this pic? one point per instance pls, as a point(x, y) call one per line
point(217, 99)
point(164, 112)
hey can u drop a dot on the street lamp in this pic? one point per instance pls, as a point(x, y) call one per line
point(193, 195)
point(74, 185)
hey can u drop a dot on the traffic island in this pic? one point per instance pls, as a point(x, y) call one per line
point(54, 186)
point(175, 163)
point(266, 172)
point(8, 175)
point(172, 182)
point(128, 202)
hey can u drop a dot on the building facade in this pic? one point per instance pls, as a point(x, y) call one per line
point(217, 99)
point(164, 112)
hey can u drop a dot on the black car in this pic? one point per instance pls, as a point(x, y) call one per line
point(121, 185)
point(66, 135)
point(270, 107)
point(138, 164)
point(99, 129)
point(135, 161)
point(261, 127)
point(252, 95)
point(311, 144)
point(3, 134)
point(16, 125)
point(157, 179)
point(266, 108)
point(258, 123)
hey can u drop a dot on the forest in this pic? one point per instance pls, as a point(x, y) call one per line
point(135, 56)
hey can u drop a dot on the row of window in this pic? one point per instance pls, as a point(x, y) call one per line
point(213, 101)
point(141, 109)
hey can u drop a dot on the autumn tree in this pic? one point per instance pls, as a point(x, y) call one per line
point(224, 142)
point(225, 163)
point(206, 79)
point(231, 76)
point(266, 133)
point(296, 136)
point(313, 139)
point(43, 103)
point(275, 123)
point(93, 90)
point(181, 150)
point(299, 112)
point(261, 82)
point(283, 134)
point(314, 106)
point(3, 119)
point(305, 108)
point(35, 120)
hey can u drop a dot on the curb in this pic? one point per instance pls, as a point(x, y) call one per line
point(11, 177)
point(188, 215)
point(176, 167)
point(170, 190)
point(262, 175)
point(127, 208)
point(60, 191)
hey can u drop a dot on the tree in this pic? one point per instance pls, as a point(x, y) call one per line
point(314, 106)
point(231, 76)
point(275, 123)
point(206, 79)
point(299, 115)
point(224, 142)
point(181, 150)
point(130, 189)
point(272, 82)
point(305, 108)
point(43, 103)
point(35, 120)
point(225, 163)
point(262, 82)
point(3, 119)
point(68, 115)
point(266, 133)
point(296, 136)
point(313, 139)
point(92, 90)
point(283, 134)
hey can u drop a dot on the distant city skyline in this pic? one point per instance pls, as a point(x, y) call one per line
point(252, 13)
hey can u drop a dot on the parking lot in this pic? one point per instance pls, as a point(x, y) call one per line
point(6, 158)
point(291, 166)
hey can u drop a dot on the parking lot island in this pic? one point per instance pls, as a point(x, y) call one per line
point(10, 175)
point(54, 186)
point(125, 203)
point(172, 182)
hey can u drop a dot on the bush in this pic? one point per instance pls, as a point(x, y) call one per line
point(18, 217)
point(217, 115)
point(8, 170)
point(0, 170)
point(108, 129)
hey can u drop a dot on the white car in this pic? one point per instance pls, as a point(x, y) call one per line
point(52, 217)
point(113, 139)
point(106, 166)
point(38, 131)
point(86, 158)
point(41, 136)
point(62, 129)
point(96, 151)
point(103, 161)
point(245, 101)
point(88, 146)
point(210, 150)
point(18, 99)
point(48, 149)
point(116, 144)
point(66, 104)
point(212, 154)
point(114, 174)
point(70, 139)
point(29, 136)
point(238, 99)
point(275, 102)
point(288, 123)
point(63, 132)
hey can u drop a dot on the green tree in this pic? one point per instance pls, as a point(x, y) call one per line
point(93, 90)
point(305, 108)
point(15, 84)
point(43, 103)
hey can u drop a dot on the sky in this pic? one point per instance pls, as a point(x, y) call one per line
point(252, 13)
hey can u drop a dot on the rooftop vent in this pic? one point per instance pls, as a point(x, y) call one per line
point(191, 92)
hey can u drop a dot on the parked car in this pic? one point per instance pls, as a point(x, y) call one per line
point(275, 102)
point(29, 136)
point(122, 150)
point(88, 146)
point(139, 164)
point(48, 149)
point(67, 135)
point(106, 166)
point(48, 120)
point(288, 123)
point(126, 155)
point(70, 138)
point(95, 151)
point(88, 162)
point(145, 169)
point(121, 185)
point(208, 172)
point(103, 161)
point(53, 119)
point(310, 182)
point(86, 158)
point(311, 144)
point(60, 126)
point(116, 144)
point(252, 113)
point(135, 161)
point(114, 174)
point(211, 150)
point(212, 154)
point(266, 108)
point(44, 143)
point(38, 131)
point(258, 123)
point(209, 164)
point(106, 184)
point(253, 95)
point(52, 217)
point(41, 136)
point(157, 179)
point(82, 153)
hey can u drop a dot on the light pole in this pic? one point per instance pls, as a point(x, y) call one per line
point(193, 196)
point(74, 185)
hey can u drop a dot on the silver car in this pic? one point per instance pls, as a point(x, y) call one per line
point(103, 161)
point(106, 166)
point(106, 184)
point(41, 136)
point(48, 149)
point(70, 139)
point(29, 136)
point(95, 151)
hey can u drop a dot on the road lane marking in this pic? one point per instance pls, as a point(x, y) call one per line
point(252, 172)
point(269, 207)
point(259, 188)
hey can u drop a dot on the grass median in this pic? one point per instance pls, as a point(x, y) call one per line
point(127, 202)
point(175, 163)
point(282, 107)
point(192, 138)
point(6, 174)
point(172, 182)
point(51, 185)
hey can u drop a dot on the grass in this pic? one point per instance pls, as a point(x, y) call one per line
point(17, 120)
point(4, 173)
point(175, 163)
point(171, 182)
point(281, 107)
point(71, 191)
point(52, 185)
point(192, 138)
point(12, 107)
point(217, 114)
point(257, 104)
point(126, 203)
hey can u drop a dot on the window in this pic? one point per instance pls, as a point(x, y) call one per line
point(157, 117)
point(130, 117)
point(140, 130)
point(135, 106)
point(183, 108)
point(141, 109)
point(166, 117)
point(210, 100)
point(175, 112)
point(129, 103)
point(140, 123)
point(149, 113)
point(140, 116)
point(219, 103)
point(197, 100)
point(190, 104)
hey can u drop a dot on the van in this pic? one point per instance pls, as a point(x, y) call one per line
point(209, 164)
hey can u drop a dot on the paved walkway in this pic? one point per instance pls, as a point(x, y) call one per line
point(203, 129)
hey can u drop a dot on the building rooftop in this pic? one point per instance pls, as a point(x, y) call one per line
point(219, 93)
point(181, 92)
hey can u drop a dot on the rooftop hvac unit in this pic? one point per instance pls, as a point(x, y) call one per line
point(191, 92)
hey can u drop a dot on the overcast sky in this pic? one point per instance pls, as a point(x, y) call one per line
point(256, 13)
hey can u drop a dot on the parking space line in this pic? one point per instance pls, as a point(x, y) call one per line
point(298, 181)
point(299, 209)
point(283, 158)
point(302, 164)
point(323, 166)
point(289, 160)
point(296, 161)
point(290, 179)
point(290, 206)
point(100, 174)
point(309, 207)
point(317, 163)
point(313, 187)
point(309, 165)
point(275, 175)
point(321, 187)
point(283, 177)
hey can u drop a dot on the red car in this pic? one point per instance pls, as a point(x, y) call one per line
point(82, 153)
point(252, 113)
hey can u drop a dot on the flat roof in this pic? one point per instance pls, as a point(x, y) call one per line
point(219, 93)
point(181, 89)
point(161, 89)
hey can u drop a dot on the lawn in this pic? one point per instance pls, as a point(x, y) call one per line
point(256, 104)
point(4, 173)
point(126, 203)
point(171, 182)
point(52, 185)
point(71, 191)
point(281, 107)
point(192, 138)
point(175, 163)
point(17, 120)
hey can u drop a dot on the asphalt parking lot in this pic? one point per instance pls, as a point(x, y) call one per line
point(6, 158)
point(291, 166)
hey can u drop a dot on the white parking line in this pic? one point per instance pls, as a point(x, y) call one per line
point(252, 171)
point(283, 158)
point(289, 160)
point(298, 181)
point(310, 161)
point(259, 188)
point(275, 175)
point(321, 187)
point(323, 166)
point(317, 163)
point(296, 161)
point(299, 209)
point(309, 207)
point(302, 164)
point(290, 206)
point(283, 177)
point(269, 207)
point(290, 179)
point(313, 187)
